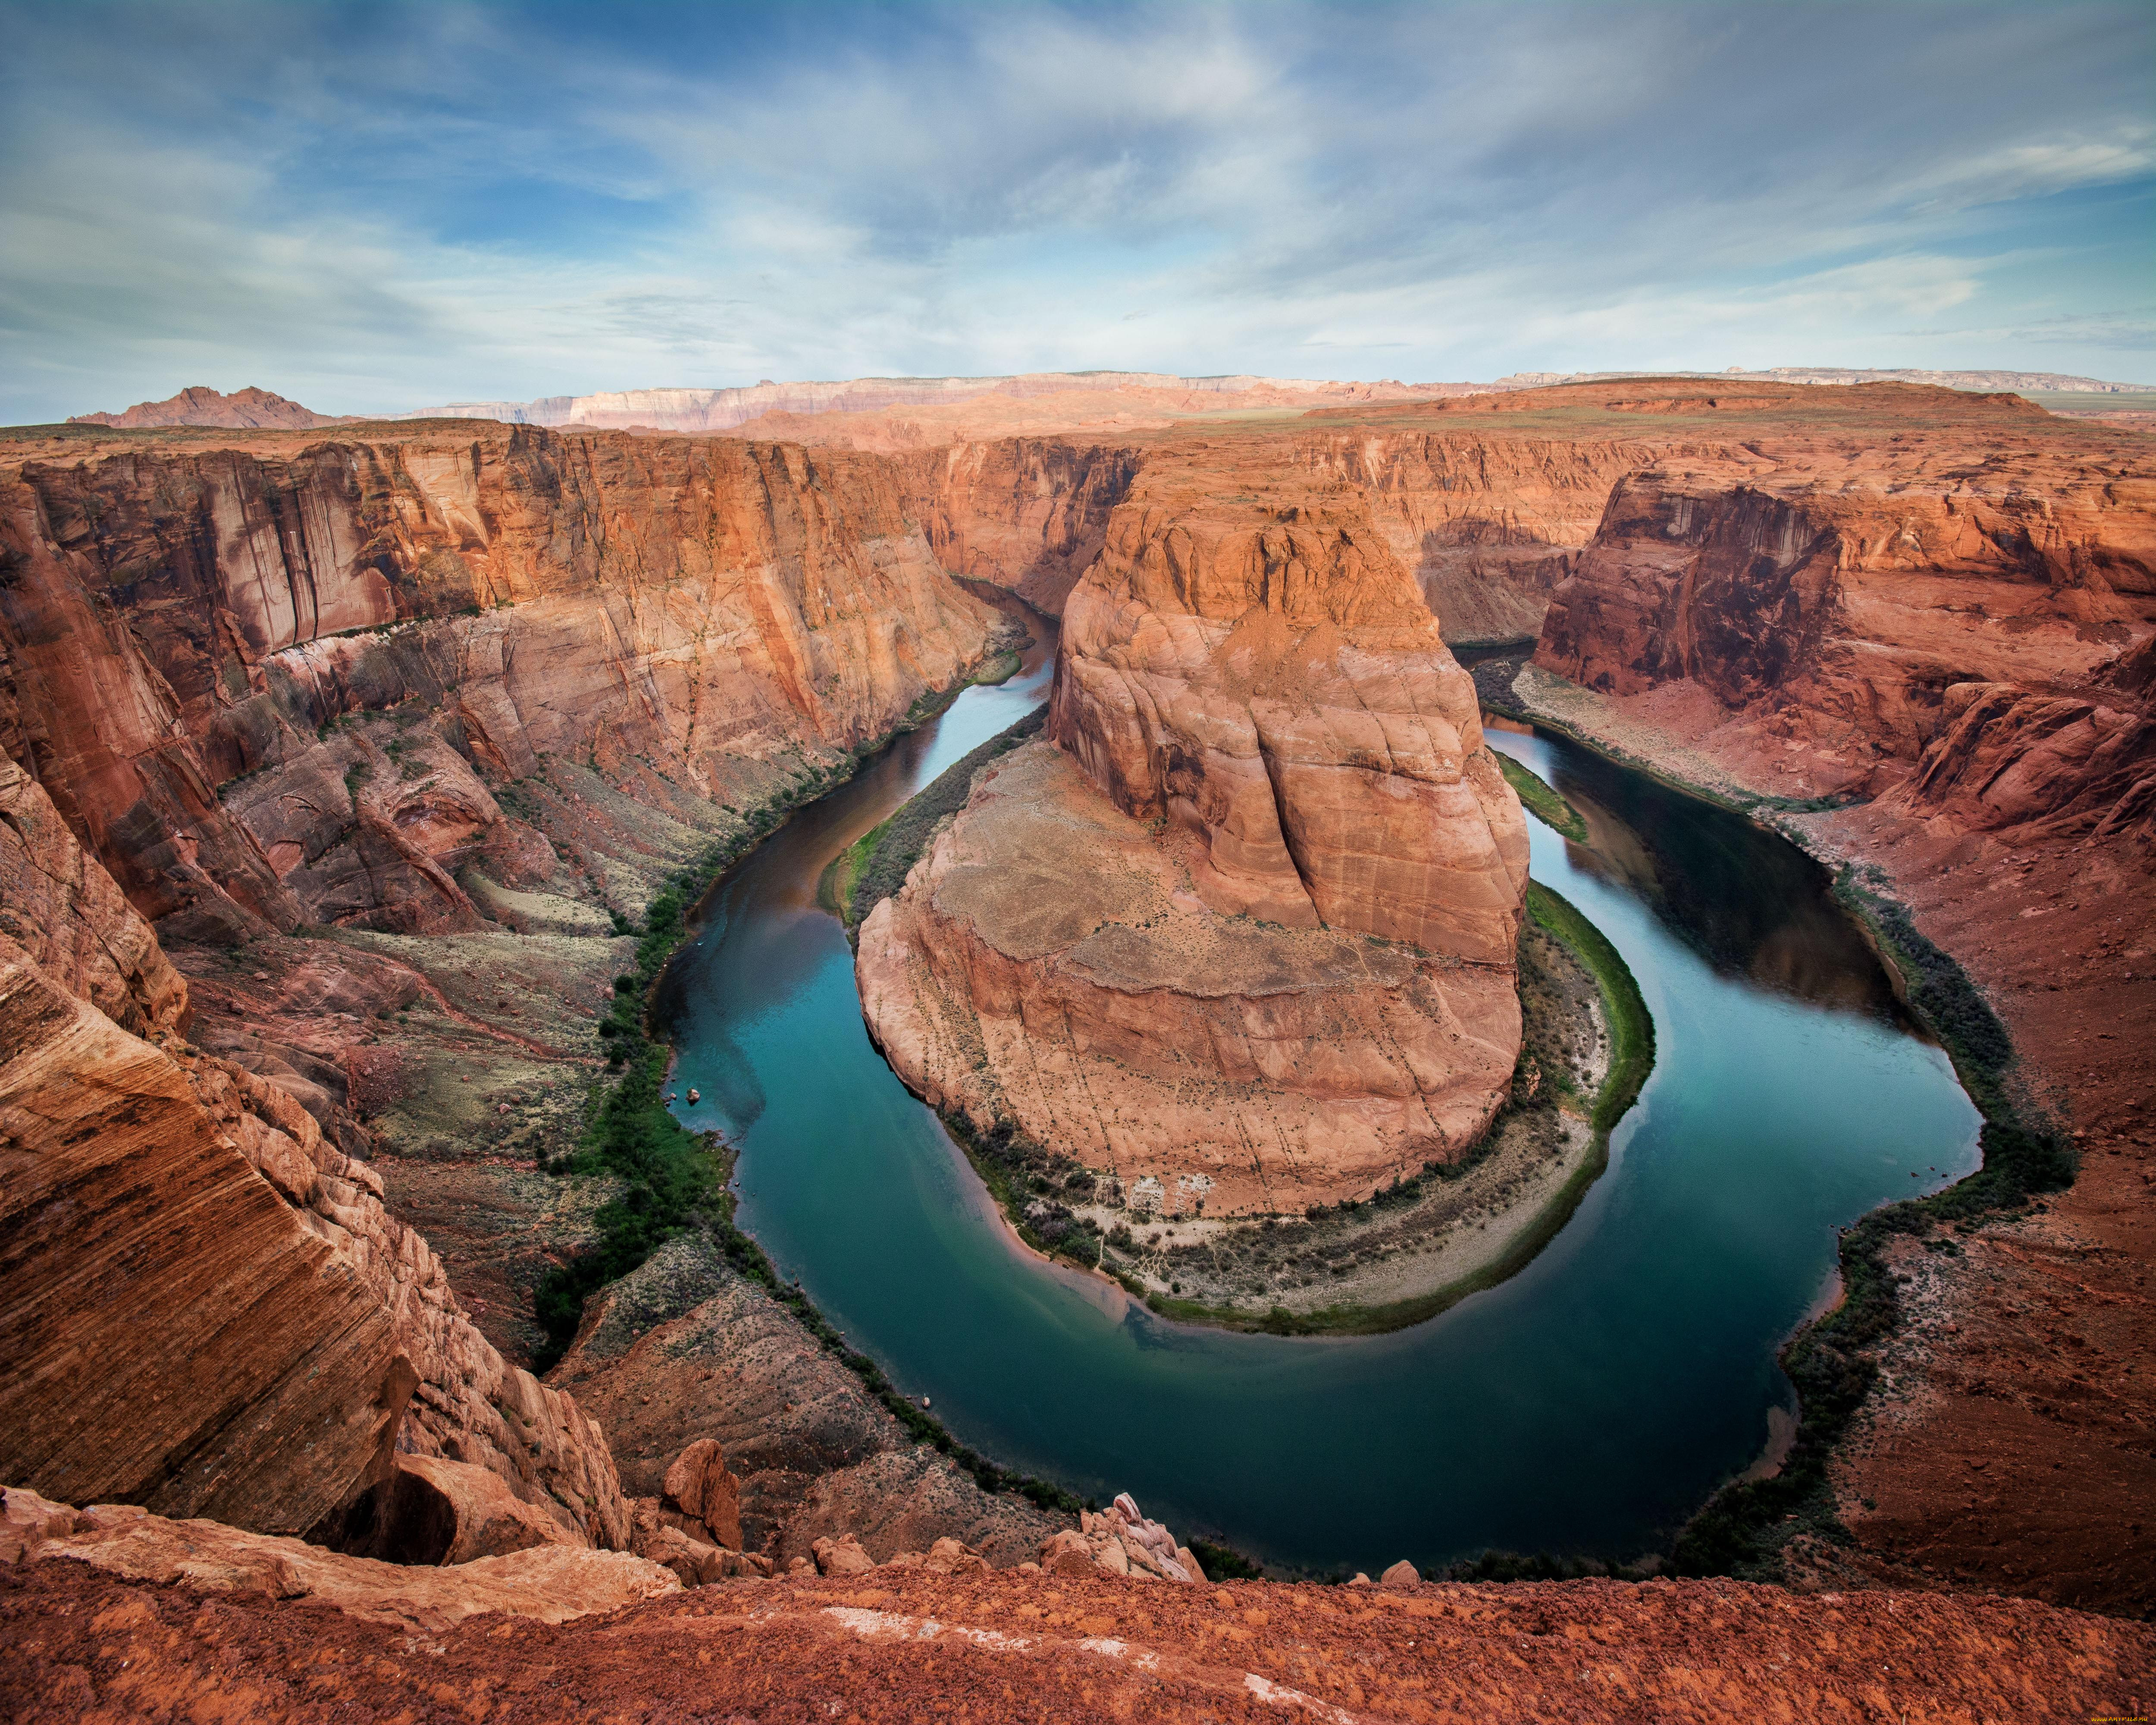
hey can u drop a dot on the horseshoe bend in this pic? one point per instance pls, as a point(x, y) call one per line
point(417, 1005)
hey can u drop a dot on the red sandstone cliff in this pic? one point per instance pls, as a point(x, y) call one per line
point(281, 687)
point(1190, 1003)
point(208, 1309)
point(714, 613)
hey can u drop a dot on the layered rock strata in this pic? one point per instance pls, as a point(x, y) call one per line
point(1939, 611)
point(697, 618)
point(1243, 935)
point(686, 1344)
point(545, 1582)
point(1051, 966)
point(208, 1309)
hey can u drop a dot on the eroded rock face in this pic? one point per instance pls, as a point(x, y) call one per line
point(685, 1343)
point(1050, 965)
point(173, 1332)
point(231, 1323)
point(697, 613)
point(207, 1308)
point(1245, 929)
point(1028, 513)
point(551, 1583)
point(1950, 579)
point(72, 922)
point(1267, 679)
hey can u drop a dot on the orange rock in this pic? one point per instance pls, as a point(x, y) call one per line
point(698, 1484)
point(551, 1583)
point(1266, 729)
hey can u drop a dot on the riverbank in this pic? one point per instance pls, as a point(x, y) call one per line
point(666, 1182)
point(1866, 1369)
point(1419, 1249)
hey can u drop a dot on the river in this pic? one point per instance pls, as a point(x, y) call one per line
point(1586, 1406)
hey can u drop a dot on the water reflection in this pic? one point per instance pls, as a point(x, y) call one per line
point(1750, 903)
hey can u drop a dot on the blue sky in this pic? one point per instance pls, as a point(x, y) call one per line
point(369, 207)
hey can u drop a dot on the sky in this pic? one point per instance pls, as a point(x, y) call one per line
point(371, 208)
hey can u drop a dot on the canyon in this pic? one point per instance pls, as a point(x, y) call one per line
point(344, 762)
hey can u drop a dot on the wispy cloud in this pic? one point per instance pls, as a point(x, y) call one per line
point(372, 206)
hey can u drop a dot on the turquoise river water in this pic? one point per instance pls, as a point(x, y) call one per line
point(1586, 1406)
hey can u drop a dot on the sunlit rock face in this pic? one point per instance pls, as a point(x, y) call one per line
point(1265, 679)
point(1242, 933)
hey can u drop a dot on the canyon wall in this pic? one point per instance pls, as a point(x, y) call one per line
point(447, 694)
point(695, 619)
point(208, 1309)
point(1489, 525)
point(1922, 628)
point(1027, 514)
point(1241, 935)
point(1959, 632)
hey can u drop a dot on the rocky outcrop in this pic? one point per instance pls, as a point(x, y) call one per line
point(1853, 623)
point(1050, 967)
point(915, 1642)
point(208, 1309)
point(1265, 680)
point(244, 409)
point(230, 1323)
point(1242, 936)
point(549, 1582)
point(1028, 513)
point(686, 1344)
point(69, 919)
point(1119, 1541)
point(174, 1332)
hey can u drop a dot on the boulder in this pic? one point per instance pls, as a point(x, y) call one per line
point(698, 1486)
point(1066, 1553)
point(430, 1510)
point(1401, 1574)
point(691, 1560)
point(27, 1520)
point(842, 1556)
point(952, 1557)
point(551, 1582)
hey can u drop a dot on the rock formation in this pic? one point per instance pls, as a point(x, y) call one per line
point(1939, 610)
point(686, 1344)
point(208, 1311)
point(700, 617)
point(380, 738)
point(249, 409)
point(939, 1638)
point(1245, 929)
point(547, 1582)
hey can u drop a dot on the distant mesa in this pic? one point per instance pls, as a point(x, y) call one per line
point(248, 409)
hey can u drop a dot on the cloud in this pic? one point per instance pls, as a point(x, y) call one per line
point(371, 208)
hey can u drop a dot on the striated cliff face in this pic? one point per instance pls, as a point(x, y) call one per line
point(425, 690)
point(1488, 524)
point(209, 1310)
point(1265, 680)
point(710, 614)
point(1936, 621)
point(1028, 513)
point(1243, 933)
